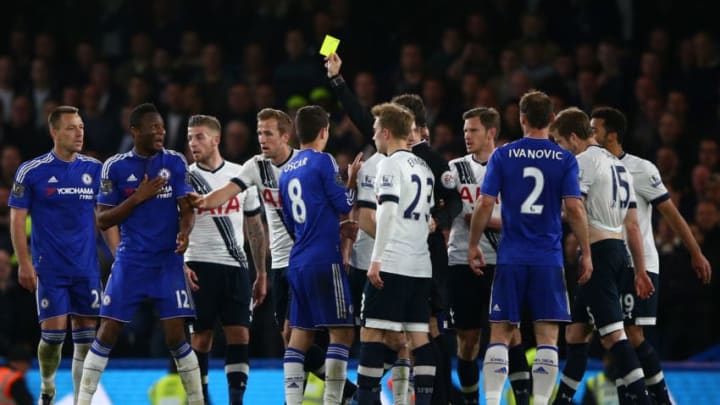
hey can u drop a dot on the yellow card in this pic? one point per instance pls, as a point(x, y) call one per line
point(329, 45)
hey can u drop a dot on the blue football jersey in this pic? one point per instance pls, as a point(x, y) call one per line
point(150, 231)
point(60, 197)
point(313, 197)
point(531, 177)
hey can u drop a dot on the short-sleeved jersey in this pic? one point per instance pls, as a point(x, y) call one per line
point(150, 231)
point(217, 236)
point(467, 177)
point(407, 180)
point(363, 246)
point(313, 197)
point(263, 173)
point(60, 197)
point(531, 176)
point(607, 187)
point(649, 191)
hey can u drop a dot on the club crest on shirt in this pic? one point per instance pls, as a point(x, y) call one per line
point(367, 181)
point(18, 190)
point(164, 173)
point(87, 179)
point(386, 180)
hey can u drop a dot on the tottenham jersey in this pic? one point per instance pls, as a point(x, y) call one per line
point(467, 177)
point(649, 191)
point(149, 233)
point(263, 173)
point(407, 180)
point(218, 233)
point(363, 246)
point(313, 197)
point(60, 197)
point(607, 187)
point(531, 176)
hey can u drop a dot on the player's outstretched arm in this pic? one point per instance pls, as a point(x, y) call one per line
point(108, 216)
point(216, 197)
point(478, 222)
point(258, 247)
point(643, 285)
point(577, 218)
point(700, 263)
point(187, 221)
point(18, 234)
point(359, 115)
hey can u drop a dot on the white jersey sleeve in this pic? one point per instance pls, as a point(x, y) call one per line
point(252, 201)
point(363, 245)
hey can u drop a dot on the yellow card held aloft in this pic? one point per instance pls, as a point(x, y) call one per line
point(329, 45)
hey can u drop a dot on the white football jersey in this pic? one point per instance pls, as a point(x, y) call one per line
point(407, 179)
point(467, 177)
point(217, 236)
point(363, 246)
point(650, 190)
point(263, 173)
point(607, 187)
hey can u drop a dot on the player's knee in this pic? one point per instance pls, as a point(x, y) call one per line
point(395, 341)
point(236, 335)
point(109, 331)
point(202, 341)
point(611, 338)
point(468, 344)
point(343, 336)
point(635, 335)
point(577, 333)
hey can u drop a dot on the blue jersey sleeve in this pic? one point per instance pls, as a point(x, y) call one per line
point(493, 176)
point(109, 191)
point(341, 198)
point(181, 179)
point(21, 195)
point(286, 209)
point(570, 181)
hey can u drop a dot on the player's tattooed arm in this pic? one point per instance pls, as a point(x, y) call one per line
point(255, 232)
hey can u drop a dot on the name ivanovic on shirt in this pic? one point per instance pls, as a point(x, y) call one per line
point(535, 154)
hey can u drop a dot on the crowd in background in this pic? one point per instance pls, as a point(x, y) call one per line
point(657, 61)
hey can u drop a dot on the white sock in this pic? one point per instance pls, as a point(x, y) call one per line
point(335, 373)
point(544, 373)
point(93, 367)
point(495, 372)
point(294, 371)
point(189, 372)
point(401, 381)
point(80, 351)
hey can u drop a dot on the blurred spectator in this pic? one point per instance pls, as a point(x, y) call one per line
point(110, 99)
point(237, 144)
point(668, 164)
point(437, 104)
point(451, 46)
point(409, 76)
point(140, 60)
point(85, 56)
point(174, 112)
point(162, 69)
point(20, 130)
point(18, 319)
point(299, 72)
point(7, 86)
point(366, 90)
point(475, 58)
point(101, 133)
point(240, 104)
point(139, 90)
point(41, 88)
point(534, 61)
point(10, 160)
point(509, 63)
point(254, 69)
point(212, 81)
point(709, 153)
point(188, 62)
point(264, 96)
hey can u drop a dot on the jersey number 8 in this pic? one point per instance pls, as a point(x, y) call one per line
point(297, 205)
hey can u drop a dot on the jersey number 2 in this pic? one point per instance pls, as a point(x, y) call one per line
point(528, 206)
point(297, 205)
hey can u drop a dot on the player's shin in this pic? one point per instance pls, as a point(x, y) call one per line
point(544, 373)
point(630, 371)
point(49, 353)
point(93, 367)
point(495, 372)
point(519, 375)
point(654, 378)
point(424, 373)
point(401, 381)
point(335, 373)
point(204, 364)
point(370, 371)
point(294, 376)
point(469, 375)
point(236, 371)
point(189, 372)
point(82, 340)
point(572, 373)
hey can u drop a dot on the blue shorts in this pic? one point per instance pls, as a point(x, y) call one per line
point(320, 297)
point(541, 289)
point(59, 295)
point(131, 283)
